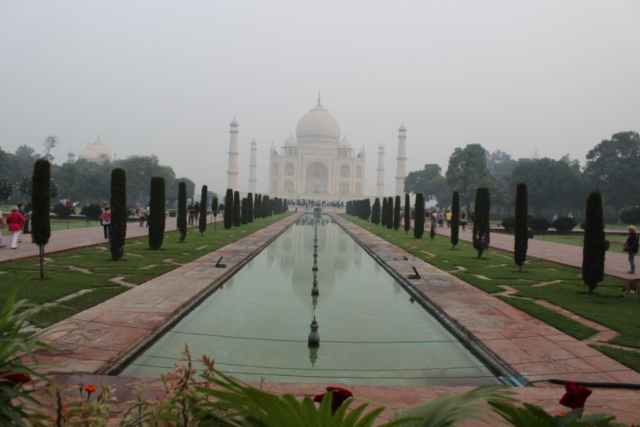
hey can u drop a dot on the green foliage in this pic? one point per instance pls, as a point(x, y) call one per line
point(16, 349)
point(626, 357)
point(6, 188)
point(92, 212)
point(63, 212)
point(265, 204)
point(175, 189)
point(390, 213)
point(257, 206)
point(451, 408)
point(430, 183)
point(173, 214)
point(40, 224)
point(383, 218)
point(202, 225)
point(407, 213)
point(396, 213)
point(156, 214)
point(593, 252)
point(418, 217)
point(628, 215)
point(236, 209)
point(119, 213)
point(509, 223)
point(140, 169)
point(467, 171)
point(243, 208)
point(250, 208)
point(564, 225)
point(182, 210)
point(455, 219)
point(612, 166)
point(375, 214)
point(534, 416)
point(539, 225)
point(481, 226)
point(521, 226)
point(228, 209)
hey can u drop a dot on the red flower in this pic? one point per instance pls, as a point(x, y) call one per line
point(90, 388)
point(338, 397)
point(13, 379)
point(575, 395)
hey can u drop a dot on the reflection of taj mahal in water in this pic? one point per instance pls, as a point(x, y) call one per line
point(316, 164)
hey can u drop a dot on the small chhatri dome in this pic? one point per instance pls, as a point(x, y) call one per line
point(318, 125)
point(536, 156)
point(97, 152)
point(291, 142)
point(345, 144)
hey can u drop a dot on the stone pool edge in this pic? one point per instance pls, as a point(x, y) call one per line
point(104, 338)
point(526, 345)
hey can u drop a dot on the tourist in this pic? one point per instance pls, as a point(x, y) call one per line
point(449, 215)
point(142, 214)
point(221, 209)
point(555, 216)
point(15, 221)
point(463, 220)
point(441, 218)
point(106, 221)
point(2, 244)
point(632, 244)
point(192, 213)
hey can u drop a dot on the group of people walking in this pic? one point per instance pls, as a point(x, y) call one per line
point(15, 223)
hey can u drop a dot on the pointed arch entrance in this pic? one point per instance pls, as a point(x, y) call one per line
point(317, 179)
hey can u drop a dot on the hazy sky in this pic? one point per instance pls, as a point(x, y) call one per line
point(167, 77)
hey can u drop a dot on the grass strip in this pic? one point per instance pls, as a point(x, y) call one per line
point(559, 321)
point(628, 358)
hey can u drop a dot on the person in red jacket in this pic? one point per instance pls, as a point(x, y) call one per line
point(15, 221)
point(106, 221)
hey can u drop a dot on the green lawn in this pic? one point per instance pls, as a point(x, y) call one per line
point(605, 307)
point(139, 265)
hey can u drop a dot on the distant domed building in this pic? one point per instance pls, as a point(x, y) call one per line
point(316, 164)
point(536, 156)
point(97, 152)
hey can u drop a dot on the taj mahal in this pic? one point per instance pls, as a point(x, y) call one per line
point(316, 163)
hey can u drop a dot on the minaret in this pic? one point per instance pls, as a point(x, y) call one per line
point(253, 165)
point(402, 160)
point(232, 172)
point(380, 180)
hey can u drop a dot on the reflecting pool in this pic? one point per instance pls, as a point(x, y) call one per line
point(256, 326)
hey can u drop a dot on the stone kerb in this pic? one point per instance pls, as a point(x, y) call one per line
point(103, 338)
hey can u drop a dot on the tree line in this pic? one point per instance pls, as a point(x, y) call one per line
point(554, 186)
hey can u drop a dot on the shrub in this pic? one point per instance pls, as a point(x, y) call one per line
point(564, 225)
point(531, 233)
point(228, 209)
point(539, 225)
point(396, 213)
point(593, 252)
point(481, 226)
point(390, 213)
point(40, 225)
point(119, 213)
point(509, 224)
point(521, 227)
point(250, 208)
point(630, 215)
point(172, 214)
point(375, 214)
point(202, 224)
point(63, 212)
point(236, 209)
point(156, 214)
point(418, 224)
point(455, 219)
point(182, 210)
point(243, 208)
point(383, 217)
point(92, 212)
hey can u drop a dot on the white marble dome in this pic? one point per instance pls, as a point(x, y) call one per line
point(318, 125)
point(291, 142)
point(97, 152)
point(345, 144)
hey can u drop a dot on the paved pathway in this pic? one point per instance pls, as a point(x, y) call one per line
point(75, 238)
point(616, 264)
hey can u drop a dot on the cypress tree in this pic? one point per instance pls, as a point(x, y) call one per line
point(407, 213)
point(375, 215)
point(228, 209)
point(383, 217)
point(156, 217)
point(396, 213)
point(367, 209)
point(257, 208)
point(244, 215)
point(182, 210)
point(455, 219)
point(203, 207)
point(119, 212)
point(265, 206)
point(236, 209)
point(40, 201)
point(521, 238)
point(593, 253)
point(418, 226)
point(249, 208)
point(390, 213)
point(214, 211)
point(481, 227)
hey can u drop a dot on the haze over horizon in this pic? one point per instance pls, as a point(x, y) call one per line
point(166, 78)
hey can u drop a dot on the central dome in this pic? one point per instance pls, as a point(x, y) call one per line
point(318, 125)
